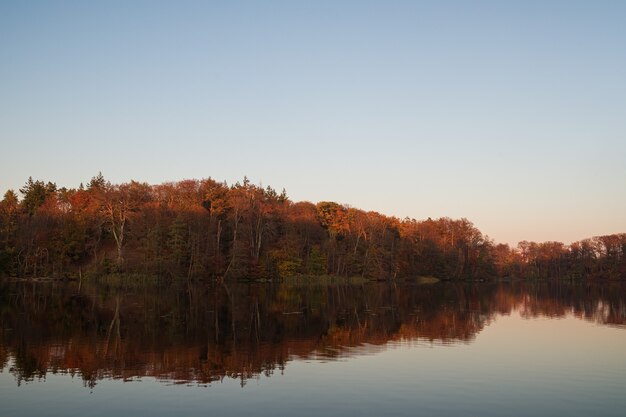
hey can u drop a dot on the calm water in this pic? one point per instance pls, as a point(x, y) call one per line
point(269, 349)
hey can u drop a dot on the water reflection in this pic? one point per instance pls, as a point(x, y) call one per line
point(207, 332)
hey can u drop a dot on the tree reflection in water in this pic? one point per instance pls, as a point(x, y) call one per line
point(201, 333)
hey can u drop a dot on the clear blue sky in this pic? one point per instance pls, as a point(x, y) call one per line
point(512, 114)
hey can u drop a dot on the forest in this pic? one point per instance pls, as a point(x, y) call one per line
point(206, 229)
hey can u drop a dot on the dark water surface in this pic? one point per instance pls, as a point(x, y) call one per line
point(547, 349)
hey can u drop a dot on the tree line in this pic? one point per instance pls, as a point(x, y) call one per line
point(209, 229)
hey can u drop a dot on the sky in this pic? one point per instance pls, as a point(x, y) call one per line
point(509, 114)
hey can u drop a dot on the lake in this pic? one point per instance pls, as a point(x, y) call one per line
point(370, 349)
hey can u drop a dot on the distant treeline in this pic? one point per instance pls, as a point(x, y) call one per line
point(205, 228)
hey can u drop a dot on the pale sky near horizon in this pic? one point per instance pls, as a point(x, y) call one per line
point(511, 114)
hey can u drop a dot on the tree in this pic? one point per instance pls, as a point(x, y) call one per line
point(35, 194)
point(8, 227)
point(118, 203)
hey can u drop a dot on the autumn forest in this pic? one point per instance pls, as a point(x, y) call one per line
point(209, 229)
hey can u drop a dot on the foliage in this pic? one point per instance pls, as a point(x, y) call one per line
point(208, 229)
